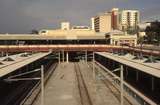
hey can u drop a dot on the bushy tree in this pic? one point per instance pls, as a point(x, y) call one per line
point(34, 31)
point(153, 33)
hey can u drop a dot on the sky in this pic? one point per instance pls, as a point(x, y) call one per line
point(21, 16)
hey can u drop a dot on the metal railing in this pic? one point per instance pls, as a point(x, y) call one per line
point(131, 91)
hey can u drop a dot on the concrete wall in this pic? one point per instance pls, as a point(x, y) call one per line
point(123, 39)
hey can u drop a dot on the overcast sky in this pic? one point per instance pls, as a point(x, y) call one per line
point(21, 16)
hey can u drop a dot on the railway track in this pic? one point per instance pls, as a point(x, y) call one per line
point(35, 91)
point(113, 89)
point(83, 91)
point(22, 92)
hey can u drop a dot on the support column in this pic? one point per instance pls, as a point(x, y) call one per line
point(63, 55)
point(7, 54)
point(86, 56)
point(2, 53)
point(67, 57)
point(42, 85)
point(121, 76)
point(59, 57)
point(152, 82)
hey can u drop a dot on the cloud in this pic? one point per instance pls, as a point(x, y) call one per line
point(21, 16)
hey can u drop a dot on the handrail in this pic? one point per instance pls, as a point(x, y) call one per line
point(78, 47)
point(144, 98)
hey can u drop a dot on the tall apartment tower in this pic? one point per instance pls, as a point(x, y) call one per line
point(129, 19)
point(92, 23)
point(115, 18)
point(102, 22)
point(65, 26)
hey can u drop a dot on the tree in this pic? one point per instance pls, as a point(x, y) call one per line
point(34, 31)
point(153, 33)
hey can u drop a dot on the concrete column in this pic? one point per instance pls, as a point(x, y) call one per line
point(2, 53)
point(122, 80)
point(59, 57)
point(67, 57)
point(86, 55)
point(7, 54)
point(63, 55)
point(152, 82)
point(111, 41)
point(42, 85)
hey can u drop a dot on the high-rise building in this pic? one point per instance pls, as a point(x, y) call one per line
point(129, 19)
point(102, 22)
point(65, 26)
point(115, 18)
point(92, 24)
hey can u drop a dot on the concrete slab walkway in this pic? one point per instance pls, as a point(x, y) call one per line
point(61, 88)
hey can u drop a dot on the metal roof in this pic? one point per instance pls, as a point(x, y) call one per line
point(50, 37)
point(19, 62)
point(149, 68)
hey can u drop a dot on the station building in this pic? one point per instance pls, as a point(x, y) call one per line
point(70, 35)
point(117, 37)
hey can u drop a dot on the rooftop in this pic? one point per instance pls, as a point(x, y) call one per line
point(18, 62)
point(51, 37)
point(139, 64)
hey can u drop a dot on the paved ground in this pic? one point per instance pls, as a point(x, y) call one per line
point(62, 89)
point(101, 95)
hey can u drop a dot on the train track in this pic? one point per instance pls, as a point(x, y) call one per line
point(83, 91)
point(36, 89)
point(22, 92)
point(113, 89)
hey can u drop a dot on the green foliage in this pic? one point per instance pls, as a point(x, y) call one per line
point(140, 40)
point(132, 30)
point(34, 31)
point(153, 33)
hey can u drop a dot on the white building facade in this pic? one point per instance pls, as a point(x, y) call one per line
point(129, 19)
point(65, 26)
point(101, 22)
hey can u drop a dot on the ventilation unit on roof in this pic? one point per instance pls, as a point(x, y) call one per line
point(150, 59)
point(24, 55)
point(8, 59)
point(1, 63)
point(138, 57)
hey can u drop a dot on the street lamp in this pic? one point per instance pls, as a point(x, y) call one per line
point(13, 79)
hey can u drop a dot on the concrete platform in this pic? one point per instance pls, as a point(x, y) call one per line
point(19, 62)
point(61, 87)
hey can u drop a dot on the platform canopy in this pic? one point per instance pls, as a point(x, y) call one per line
point(149, 68)
point(95, 36)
